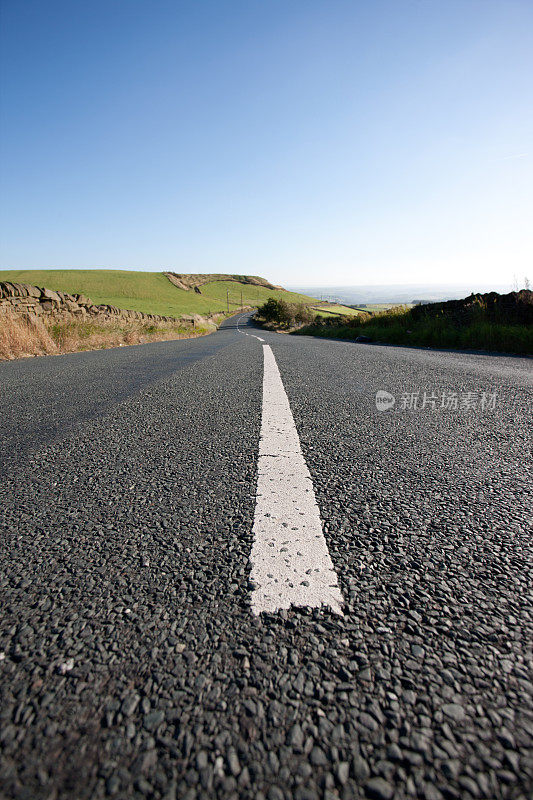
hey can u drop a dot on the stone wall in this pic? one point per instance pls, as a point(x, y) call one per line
point(22, 298)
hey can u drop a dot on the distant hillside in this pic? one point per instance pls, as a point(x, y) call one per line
point(162, 293)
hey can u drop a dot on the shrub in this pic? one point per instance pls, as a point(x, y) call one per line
point(285, 314)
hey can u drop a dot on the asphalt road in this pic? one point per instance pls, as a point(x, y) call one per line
point(132, 664)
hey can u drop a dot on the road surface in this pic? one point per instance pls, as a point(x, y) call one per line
point(165, 631)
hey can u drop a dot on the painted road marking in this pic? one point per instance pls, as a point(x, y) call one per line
point(247, 334)
point(291, 565)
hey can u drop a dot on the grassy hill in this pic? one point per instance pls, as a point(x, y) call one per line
point(151, 292)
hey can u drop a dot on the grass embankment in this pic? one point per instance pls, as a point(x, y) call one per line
point(492, 324)
point(22, 335)
point(150, 292)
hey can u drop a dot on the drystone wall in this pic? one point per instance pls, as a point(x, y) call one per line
point(25, 299)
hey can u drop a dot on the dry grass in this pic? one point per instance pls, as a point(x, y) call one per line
point(24, 335)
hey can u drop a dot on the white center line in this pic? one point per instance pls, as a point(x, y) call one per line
point(247, 334)
point(291, 565)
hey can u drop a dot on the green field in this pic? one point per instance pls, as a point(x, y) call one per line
point(329, 310)
point(150, 292)
point(335, 310)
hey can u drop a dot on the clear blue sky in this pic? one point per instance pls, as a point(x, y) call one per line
point(309, 141)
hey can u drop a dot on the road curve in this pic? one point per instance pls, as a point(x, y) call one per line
point(132, 664)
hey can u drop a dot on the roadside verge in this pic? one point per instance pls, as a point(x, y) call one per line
point(35, 321)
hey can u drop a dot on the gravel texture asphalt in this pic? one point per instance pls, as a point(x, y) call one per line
point(131, 665)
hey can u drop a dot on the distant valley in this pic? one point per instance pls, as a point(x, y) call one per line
point(397, 293)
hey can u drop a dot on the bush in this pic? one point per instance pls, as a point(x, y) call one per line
point(304, 315)
point(285, 314)
point(273, 310)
